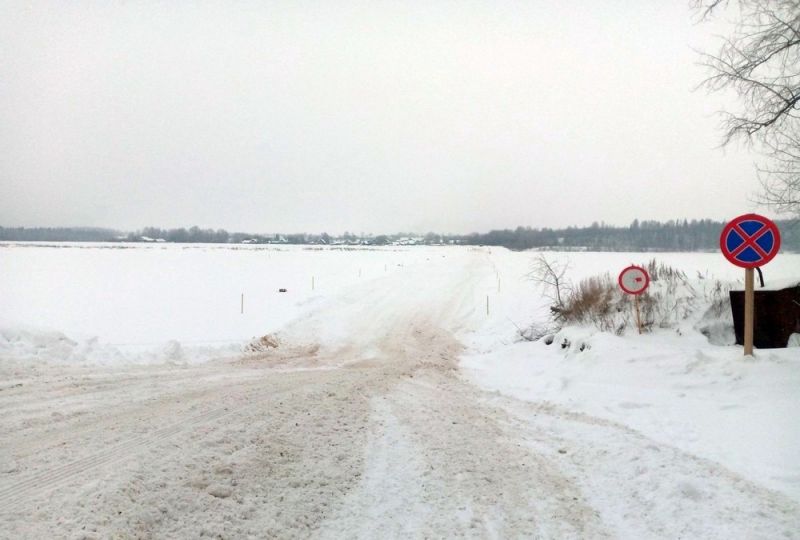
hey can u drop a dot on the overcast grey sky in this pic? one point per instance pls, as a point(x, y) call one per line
point(361, 116)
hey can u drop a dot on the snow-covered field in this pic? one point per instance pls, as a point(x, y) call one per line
point(399, 401)
point(150, 302)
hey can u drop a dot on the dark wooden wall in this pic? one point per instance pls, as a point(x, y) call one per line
point(776, 316)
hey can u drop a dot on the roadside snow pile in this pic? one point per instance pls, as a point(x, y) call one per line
point(675, 389)
point(47, 346)
point(774, 285)
point(26, 346)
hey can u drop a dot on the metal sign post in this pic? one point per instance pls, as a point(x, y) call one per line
point(750, 241)
point(634, 280)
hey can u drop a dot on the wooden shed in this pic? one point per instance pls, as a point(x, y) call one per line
point(777, 314)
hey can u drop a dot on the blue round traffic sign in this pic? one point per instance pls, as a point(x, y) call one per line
point(750, 241)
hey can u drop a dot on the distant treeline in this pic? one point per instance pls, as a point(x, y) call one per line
point(695, 235)
point(60, 234)
point(221, 236)
point(187, 236)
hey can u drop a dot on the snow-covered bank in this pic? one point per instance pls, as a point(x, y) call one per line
point(673, 387)
point(677, 390)
point(24, 347)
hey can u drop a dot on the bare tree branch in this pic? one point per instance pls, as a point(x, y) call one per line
point(760, 63)
point(551, 275)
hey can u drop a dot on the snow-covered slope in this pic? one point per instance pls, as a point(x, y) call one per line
point(671, 385)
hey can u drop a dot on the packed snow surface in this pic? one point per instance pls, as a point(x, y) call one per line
point(394, 400)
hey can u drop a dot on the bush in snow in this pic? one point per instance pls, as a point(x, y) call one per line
point(670, 301)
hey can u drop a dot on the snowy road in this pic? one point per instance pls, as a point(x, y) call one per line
point(359, 426)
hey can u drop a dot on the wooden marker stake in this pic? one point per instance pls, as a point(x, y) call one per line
point(749, 310)
point(312, 283)
point(242, 308)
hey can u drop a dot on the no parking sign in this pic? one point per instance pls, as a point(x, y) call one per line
point(750, 241)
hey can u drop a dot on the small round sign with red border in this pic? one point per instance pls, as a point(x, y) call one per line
point(750, 241)
point(634, 280)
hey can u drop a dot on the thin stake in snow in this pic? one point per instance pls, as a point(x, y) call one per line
point(242, 305)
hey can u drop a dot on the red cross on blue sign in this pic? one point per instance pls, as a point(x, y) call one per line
point(750, 241)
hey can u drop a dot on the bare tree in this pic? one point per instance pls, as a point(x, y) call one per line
point(780, 178)
point(760, 62)
point(551, 275)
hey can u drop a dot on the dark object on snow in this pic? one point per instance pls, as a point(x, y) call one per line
point(776, 315)
point(281, 290)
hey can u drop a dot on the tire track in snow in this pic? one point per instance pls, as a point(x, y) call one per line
point(389, 502)
point(440, 463)
point(44, 481)
point(71, 407)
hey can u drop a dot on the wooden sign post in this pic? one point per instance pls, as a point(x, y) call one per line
point(750, 241)
point(749, 310)
point(638, 315)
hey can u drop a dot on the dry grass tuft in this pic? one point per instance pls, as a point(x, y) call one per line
point(262, 344)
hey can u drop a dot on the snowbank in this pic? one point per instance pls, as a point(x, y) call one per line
point(22, 347)
point(773, 285)
point(676, 386)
